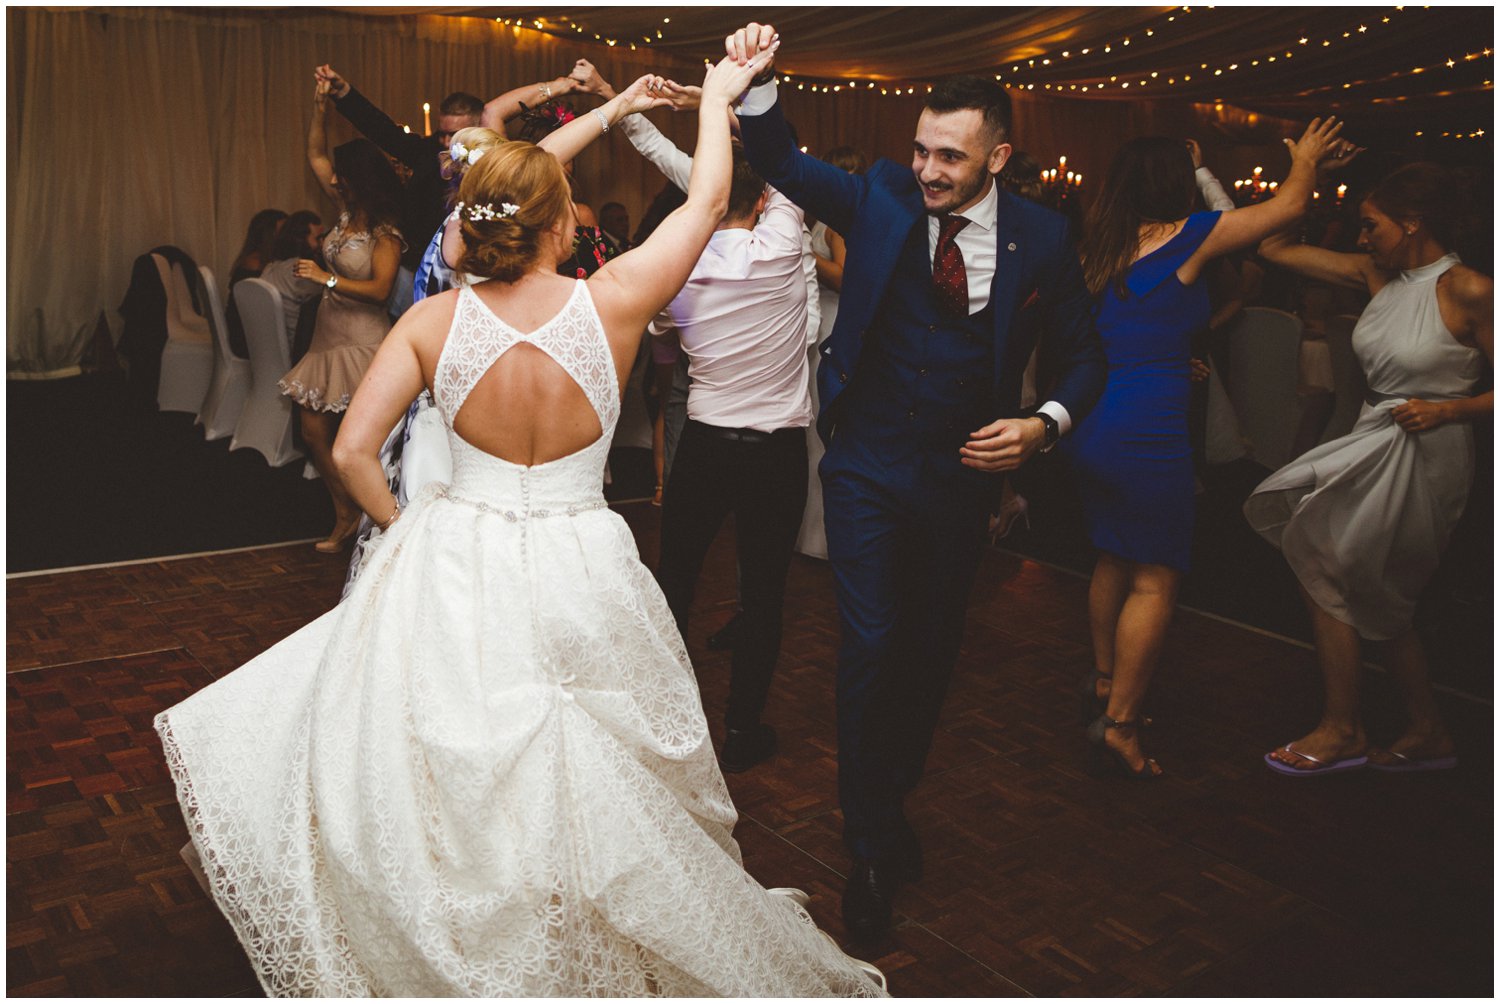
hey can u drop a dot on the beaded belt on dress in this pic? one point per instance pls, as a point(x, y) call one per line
point(514, 516)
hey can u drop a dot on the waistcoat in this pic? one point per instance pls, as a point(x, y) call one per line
point(925, 377)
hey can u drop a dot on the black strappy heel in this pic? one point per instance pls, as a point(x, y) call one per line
point(1102, 758)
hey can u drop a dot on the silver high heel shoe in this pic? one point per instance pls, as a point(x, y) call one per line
point(1004, 521)
point(797, 896)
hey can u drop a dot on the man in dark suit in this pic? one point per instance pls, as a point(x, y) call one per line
point(919, 383)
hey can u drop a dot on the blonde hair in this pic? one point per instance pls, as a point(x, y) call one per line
point(527, 193)
point(473, 138)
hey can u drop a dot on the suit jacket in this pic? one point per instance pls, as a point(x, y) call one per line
point(1036, 268)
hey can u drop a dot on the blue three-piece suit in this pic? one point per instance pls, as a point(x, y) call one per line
point(903, 384)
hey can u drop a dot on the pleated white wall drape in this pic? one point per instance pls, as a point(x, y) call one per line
point(128, 128)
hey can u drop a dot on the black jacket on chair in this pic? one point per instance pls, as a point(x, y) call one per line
point(144, 311)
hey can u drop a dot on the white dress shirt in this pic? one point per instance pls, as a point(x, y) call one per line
point(678, 168)
point(1214, 196)
point(743, 316)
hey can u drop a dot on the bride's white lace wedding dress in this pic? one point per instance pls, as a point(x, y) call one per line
point(487, 771)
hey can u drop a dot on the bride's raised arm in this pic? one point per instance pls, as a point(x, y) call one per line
point(632, 289)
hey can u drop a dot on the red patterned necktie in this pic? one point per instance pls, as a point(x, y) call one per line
point(949, 280)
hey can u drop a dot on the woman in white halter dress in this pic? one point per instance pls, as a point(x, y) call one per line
point(1363, 520)
point(487, 771)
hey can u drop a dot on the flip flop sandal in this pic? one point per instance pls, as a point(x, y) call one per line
point(1322, 766)
point(1411, 765)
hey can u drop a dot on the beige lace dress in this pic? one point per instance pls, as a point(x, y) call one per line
point(348, 331)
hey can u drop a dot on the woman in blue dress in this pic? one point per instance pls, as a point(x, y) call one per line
point(1143, 253)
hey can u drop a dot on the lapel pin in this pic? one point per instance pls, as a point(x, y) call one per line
point(1011, 246)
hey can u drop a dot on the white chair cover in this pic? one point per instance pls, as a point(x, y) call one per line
point(231, 374)
point(187, 358)
point(1348, 378)
point(1264, 348)
point(265, 422)
point(1223, 441)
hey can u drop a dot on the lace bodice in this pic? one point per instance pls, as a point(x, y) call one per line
point(350, 253)
point(575, 340)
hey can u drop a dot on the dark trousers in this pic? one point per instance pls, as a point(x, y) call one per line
point(762, 479)
point(903, 559)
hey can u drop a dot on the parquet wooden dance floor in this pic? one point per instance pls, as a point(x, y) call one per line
point(1222, 878)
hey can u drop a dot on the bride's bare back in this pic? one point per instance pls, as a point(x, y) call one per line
point(525, 408)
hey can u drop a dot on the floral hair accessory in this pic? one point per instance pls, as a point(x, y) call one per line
point(486, 211)
point(541, 120)
point(462, 154)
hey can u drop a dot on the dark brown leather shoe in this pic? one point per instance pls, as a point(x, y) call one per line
point(869, 897)
point(727, 637)
point(744, 749)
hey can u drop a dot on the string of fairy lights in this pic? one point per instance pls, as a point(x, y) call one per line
point(1264, 58)
point(542, 25)
point(1161, 80)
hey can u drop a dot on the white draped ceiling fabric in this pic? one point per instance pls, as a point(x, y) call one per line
point(129, 128)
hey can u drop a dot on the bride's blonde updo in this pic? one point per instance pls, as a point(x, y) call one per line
point(510, 199)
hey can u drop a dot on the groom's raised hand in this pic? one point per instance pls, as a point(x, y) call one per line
point(747, 43)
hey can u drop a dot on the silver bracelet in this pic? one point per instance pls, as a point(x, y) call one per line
point(546, 92)
point(603, 120)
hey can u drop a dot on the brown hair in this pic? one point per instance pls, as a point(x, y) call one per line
point(745, 187)
point(1150, 180)
point(520, 175)
point(960, 93)
point(1424, 191)
point(461, 103)
point(1022, 176)
point(847, 158)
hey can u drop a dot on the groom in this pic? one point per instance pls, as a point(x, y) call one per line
point(919, 384)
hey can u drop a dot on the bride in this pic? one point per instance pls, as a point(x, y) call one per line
point(487, 771)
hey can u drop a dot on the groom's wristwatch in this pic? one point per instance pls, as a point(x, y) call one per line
point(1050, 433)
